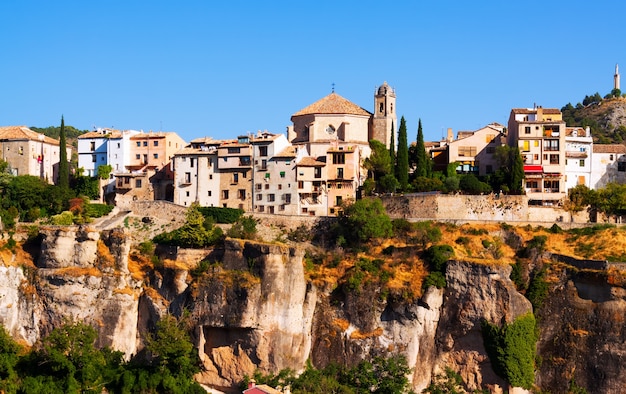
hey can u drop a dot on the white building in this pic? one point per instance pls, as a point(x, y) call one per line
point(196, 178)
point(608, 165)
point(578, 157)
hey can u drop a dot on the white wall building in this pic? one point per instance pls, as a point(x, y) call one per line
point(608, 165)
point(196, 178)
point(578, 157)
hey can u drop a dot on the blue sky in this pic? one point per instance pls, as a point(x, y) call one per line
point(222, 69)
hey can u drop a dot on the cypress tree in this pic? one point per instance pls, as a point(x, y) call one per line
point(422, 161)
point(402, 157)
point(517, 171)
point(392, 147)
point(64, 167)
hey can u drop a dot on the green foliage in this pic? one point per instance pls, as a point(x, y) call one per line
point(222, 215)
point(511, 350)
point(462, 241)
point(517, 276)
point(379, 162)
point(402, 157)
point(378, 376)
point(63, 219)
point(172, 349)
point(388, 183)
point(9, 357)
point(449, 382)
point(104, 171)
point(537, 288)
point(535, 246)
point(364, 220)
point(96, 210)
point(436, 279)
point(469, 183)
point(421, 159)
point(425, 184)
point(197, 232)
point(437, 256)
point(244, 228)
point(64, 165)
point(426, 233)
point(302, 233)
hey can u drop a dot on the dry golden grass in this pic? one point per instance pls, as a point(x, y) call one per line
point(105, 258)
point(15, 258)
point(342, 324)
point(356, 334)
point(79, 271)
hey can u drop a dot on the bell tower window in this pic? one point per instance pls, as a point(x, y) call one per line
point(381, 107)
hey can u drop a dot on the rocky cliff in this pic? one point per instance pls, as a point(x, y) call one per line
point(252, 307)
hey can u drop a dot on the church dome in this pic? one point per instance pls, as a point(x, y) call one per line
point(383, 89)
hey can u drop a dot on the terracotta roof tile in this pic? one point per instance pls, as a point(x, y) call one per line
point(333, 104)
point(534, 110)
point(24, 133)
point(310, 162)
point(289, 151)
point(105, 133)
point(609, 148)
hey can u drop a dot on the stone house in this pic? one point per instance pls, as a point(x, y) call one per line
point(31, 153)
point(474, 151)
point(608, 164)
point(196, 178)
point(234, 163)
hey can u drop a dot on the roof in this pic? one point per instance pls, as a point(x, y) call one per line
point(104, 133)
point(289, 151)
point(609, 148)
point(310, 162)
point(333, 104)
point(534, 110)
point(24, 133)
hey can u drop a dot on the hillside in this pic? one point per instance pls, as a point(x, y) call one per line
point(606, 118)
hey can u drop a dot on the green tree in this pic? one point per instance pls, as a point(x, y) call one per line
point(379, 161)
point(64, 165)
point(517, 172)
point(171, 348)
point(197, 232)
point(104, 171)
point(9, 357)
point(422, 161)
point(364, 220)
point(402, 157)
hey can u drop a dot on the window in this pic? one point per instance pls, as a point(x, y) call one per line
point(138, 143)
point(145, 158)
point(209, 193)
point(235, 178)
point(491, 150)
point(267, 186)
point(118, 145)
point(225, 194)
point(536, 143)
point(282, 174)
point(155, 155)
point(339, 158)
point(192, 162)
point(93, 158)
point(259, 197)
point(242, 194)
point(338, 200)
point(271, 209)
point(317, 172)
point(581, 162)
point(467, 151)
point(287, 198)
point(271, 197)
point(550, 145)
point(145, 143)
point(300, 184)
point(611, 157)
point(280, 187)
point(188, 177)
point(262, 151)
point(234, 150)
point(138, 156)
point(526, 146)
point(527, 130)
point(259, 186)
point(340, 173)
point(264, 164)
point(551, 186)
point(156, 143)
point(137, 183)
point(554, 159)
point(93, 146)
point(187, 194)
point(380, 108)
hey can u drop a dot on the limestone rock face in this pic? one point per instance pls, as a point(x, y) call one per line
point(20, 307)
point(475, 293)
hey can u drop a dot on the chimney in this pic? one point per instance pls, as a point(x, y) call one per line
point(540, 114)
point(450, 136)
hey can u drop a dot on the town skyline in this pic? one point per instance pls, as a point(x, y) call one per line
point(225, 70)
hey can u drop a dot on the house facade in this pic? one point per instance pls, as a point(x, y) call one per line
point(31, 153)
point(234, 162)
point(608, 165)
point(539, 133)
point(196, 178)
point(578, 157)
point(474, 151)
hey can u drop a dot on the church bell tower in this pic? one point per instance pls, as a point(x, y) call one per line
point(384, 118)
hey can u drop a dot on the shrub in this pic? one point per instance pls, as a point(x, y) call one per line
point(437, 256)
point(462, 241)
point(97, 210)
point(244, 228)
point(511, 349)
point(63, 219)
point(436, 279)
point(301, 234)
point(537, 288)
point(222, 215)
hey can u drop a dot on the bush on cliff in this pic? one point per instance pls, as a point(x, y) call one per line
point(511, 349)
point(197, 232)
point(363, 221)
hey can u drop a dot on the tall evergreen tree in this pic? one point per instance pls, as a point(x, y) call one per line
point(392, 147)
point(64, 166)
point(402, 158)
point(422, 160)
point(517, 171)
